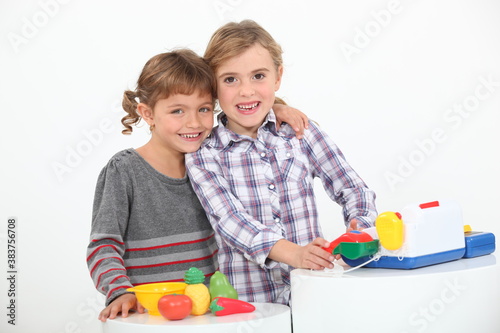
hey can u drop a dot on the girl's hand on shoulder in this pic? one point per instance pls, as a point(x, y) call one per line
point(293, 117)
point(122, 304)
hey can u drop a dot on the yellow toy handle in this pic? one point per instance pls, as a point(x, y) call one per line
point(390, 231)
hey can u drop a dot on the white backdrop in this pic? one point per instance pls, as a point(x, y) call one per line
point(409, 90)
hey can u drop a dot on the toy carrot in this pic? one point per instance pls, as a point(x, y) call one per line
point(222, 306)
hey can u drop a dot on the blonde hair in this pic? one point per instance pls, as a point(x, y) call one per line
point(177, 72)
point(233, 38)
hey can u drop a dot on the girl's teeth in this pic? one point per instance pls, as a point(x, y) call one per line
point(190, 136)
point(248, 107)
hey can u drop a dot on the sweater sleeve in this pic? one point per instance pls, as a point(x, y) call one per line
point(109, 224)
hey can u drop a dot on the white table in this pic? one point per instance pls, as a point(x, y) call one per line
point(458, 296)
point(266, 318)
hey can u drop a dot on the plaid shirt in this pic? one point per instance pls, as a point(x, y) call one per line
point(258, 191)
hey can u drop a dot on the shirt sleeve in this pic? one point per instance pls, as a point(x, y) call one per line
point(109, 222)
point(238, 229)
point(340, 181)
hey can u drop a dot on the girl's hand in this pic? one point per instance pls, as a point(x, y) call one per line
point(122, 304)
point(353, 225)
point(310, 256)
point(293, 117)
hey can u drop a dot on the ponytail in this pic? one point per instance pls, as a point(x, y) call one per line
point(129, 104)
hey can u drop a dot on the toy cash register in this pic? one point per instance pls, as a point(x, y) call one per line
point(421, 235)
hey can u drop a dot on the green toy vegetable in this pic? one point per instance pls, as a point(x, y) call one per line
point(220, 287)
point(223, 306)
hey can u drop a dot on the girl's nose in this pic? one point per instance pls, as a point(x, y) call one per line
point(193, 120)
point(246, 89)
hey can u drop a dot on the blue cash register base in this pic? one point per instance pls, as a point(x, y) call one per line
point(408, 262)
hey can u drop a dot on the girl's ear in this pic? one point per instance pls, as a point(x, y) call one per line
point(146, 113)
point(279, 73)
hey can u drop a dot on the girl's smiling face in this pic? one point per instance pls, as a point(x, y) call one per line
point(181, 122)
point(245, 88)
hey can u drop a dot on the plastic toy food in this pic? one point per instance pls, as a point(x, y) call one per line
point(149, 294)
point(220, 287)
point(222, 306)
point(197, 291)
point(175, 306)
point(390, 230)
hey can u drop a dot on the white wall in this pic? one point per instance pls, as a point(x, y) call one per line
point(385, 78)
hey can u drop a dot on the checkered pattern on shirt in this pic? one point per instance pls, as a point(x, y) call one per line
point(257, 191)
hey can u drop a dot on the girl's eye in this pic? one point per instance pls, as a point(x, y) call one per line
point(230, 79)
point(259, 76)
point(178, 111)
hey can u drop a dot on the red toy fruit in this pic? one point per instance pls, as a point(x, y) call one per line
point(175, 306)
point(222, 306)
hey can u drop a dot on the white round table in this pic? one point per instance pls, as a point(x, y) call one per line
point(266, 318)
point(458, 296)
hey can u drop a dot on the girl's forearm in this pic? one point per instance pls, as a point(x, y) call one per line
point(284, 251)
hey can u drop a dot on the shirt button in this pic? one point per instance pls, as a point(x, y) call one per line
point(263, 154)
point(277, 220)
point(288, 154)
point(271, 187)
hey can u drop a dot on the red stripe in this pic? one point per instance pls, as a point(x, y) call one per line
point(109, 270)
point(100, 260)
point(100, 247)
point(173, 262)
point(113, 290)
point(111, 239)
point(429, 204)
point(116, 278)
point(174, 280)
point(169, 245)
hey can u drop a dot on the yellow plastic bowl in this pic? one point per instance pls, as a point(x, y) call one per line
point(149, 294)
